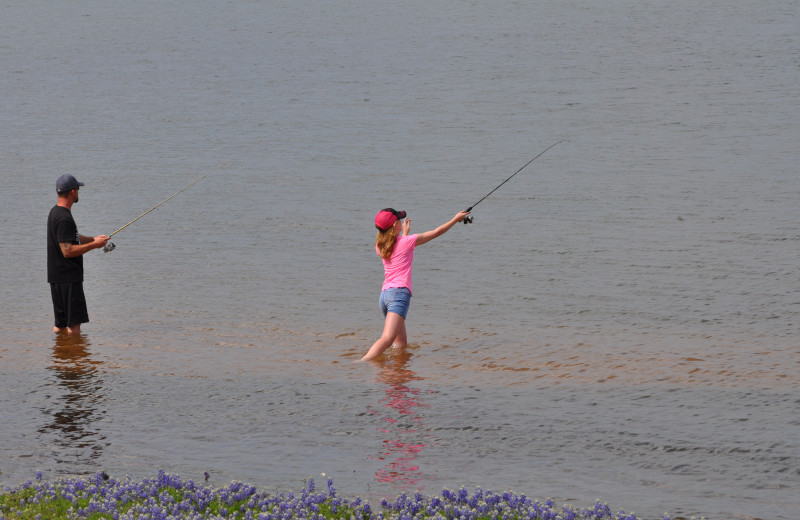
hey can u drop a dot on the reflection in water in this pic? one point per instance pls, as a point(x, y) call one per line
point(75, 406)
point(401, 416)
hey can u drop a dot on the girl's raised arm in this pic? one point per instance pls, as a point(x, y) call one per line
point(441, 230)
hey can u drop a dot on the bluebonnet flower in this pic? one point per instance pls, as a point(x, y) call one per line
point(169, 497)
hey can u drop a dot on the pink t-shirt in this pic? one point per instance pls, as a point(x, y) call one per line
point(397, 269)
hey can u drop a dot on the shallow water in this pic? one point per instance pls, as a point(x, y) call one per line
point(620, 321)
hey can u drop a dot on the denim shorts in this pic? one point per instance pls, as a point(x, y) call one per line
point(396, 300)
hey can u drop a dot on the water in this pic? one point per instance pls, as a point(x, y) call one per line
point(620, 322)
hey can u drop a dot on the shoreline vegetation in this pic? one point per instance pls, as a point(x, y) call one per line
point(169, 497)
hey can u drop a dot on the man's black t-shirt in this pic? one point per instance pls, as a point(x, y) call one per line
point(61, 227)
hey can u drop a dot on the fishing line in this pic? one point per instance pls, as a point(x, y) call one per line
point(468, 220)
point(110, 245)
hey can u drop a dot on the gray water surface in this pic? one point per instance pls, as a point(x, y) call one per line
point(620, 322)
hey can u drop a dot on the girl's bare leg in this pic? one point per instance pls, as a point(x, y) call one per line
point(400, 341)
point(394, 329)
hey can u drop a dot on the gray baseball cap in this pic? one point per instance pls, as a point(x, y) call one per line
point(66, 183)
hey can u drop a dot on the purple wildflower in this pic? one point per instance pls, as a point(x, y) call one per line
point(169, 497)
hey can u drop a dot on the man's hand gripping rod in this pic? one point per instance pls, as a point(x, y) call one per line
point(469, 219)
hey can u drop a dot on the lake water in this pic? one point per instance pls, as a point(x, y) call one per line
point(620, 322)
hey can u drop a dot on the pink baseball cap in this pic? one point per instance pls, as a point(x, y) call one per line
point(387, 217)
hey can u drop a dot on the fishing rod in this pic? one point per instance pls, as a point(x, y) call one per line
point(469, 219)
point(110, 245)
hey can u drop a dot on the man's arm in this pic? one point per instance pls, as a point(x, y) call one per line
point(86, 245)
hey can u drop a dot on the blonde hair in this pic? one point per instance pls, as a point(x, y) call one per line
point(386, 241)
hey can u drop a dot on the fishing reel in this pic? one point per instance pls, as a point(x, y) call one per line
point(469, 219)
point(109, 247)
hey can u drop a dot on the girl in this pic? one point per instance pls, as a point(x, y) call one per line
point(397, 252)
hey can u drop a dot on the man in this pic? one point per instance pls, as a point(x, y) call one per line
point(65, 250)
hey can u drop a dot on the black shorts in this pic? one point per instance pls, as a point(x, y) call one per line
point(69, 304)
